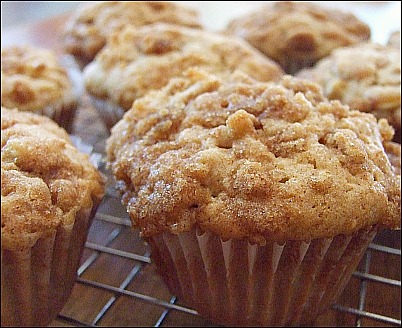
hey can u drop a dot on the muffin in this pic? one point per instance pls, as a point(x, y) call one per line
point(258, 199)
point(136, 61)
point(35, 80)
point(298, 34)
point(87, 30)
point(395, 40)
point(49, 195)
point(367, 77)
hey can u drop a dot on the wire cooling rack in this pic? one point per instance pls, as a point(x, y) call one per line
point(118, 285)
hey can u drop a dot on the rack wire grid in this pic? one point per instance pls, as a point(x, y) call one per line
point(118, 286)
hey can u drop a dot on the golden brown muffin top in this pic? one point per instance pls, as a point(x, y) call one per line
point(86, 32)
point(138, 60)
point(395, 40)
point(393, 151)
point(45, 180)
point(298, 31)
point(247, 159)
point(367, 77)
point(33, 79)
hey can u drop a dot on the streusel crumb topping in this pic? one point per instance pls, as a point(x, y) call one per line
point(33, 79)
point(45, 180)
point(254, 160)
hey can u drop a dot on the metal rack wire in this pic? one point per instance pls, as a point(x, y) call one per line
point(168, 305)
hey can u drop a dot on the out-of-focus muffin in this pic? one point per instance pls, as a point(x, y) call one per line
point(258, 199)
point(298, 34)
point(87, 30)
point(367, 77)
point(395, 40)
point(35, 80)
point(49, 195)
point(136, 61)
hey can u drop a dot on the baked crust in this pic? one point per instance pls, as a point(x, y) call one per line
point(297, 34)
point(246, 159)
point(393, 151)
point(45, 180)
point(395, 40)
point(138, 60)
point(32, 79)
point(87, 30)
point(367, 77)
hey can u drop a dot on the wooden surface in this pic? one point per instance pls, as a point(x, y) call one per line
point(86, 302)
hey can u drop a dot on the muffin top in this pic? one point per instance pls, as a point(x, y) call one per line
point(135, 61)
point(395, 40)
point(297, 34)
point(247, 159)
point(86, 32)
point(393, 151)
point(33, 79)
point(45, 180)
point(367, 77)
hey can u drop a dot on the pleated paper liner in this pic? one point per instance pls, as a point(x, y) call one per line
point(64, 110)
point(237, 283)
point(108, 112)
point(37, 281)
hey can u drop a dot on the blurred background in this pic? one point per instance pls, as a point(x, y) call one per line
point(14, 13)
point(383, 16)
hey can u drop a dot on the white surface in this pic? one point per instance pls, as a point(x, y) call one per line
point(383, 17)
point(14, 13)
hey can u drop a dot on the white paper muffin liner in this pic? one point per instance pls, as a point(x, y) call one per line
point(108, 112)
point(236, 283)
point(82, 61)
point(64, 110)
point(62, 113)
point(296, 64)
point(40, 279)
point(74, 74)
